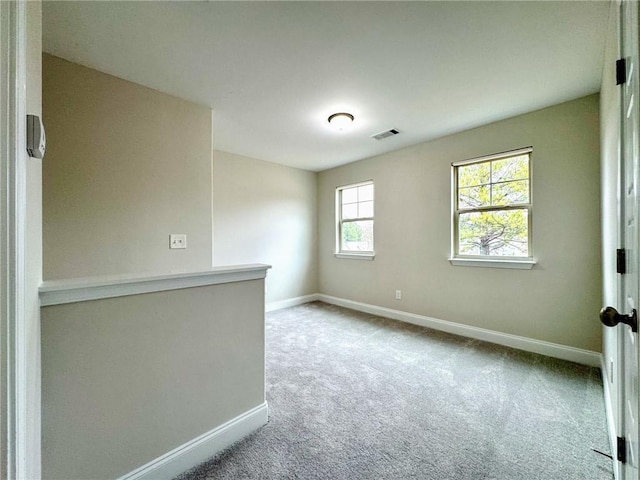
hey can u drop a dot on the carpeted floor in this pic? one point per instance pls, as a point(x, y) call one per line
point(355, 396)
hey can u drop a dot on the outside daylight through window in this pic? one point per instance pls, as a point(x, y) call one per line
point(492, 206)
point(354, 210)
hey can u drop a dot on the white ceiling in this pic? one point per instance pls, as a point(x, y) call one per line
point(274, 71)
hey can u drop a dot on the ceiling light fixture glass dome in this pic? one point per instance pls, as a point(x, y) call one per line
point(340, 121)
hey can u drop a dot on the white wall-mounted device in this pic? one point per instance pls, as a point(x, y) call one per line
point(36, 139)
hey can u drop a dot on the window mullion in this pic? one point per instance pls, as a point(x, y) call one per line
point(356, 220)
point(518, 206)
point(491, 183)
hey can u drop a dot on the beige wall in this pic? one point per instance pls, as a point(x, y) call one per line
point(266, 213)
point(557, 301)
point(33, 244)
point(126, 167)
point(128, 379)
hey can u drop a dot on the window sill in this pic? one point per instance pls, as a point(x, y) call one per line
point(355, 256)
point(481, 262)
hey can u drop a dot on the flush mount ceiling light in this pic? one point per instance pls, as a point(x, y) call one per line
point(340, 121)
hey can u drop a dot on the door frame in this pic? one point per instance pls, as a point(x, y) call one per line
point(624, 469)
point(13, 157)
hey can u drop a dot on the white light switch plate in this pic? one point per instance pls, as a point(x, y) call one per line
point(177, 240)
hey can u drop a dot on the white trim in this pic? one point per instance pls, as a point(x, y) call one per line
point(487, 263)
point(291, 302)
point(456, 211)
point(14, 363)
point(339, 253)
point(611, 423)
point(22, 365)
point(355, 256)
point(494, 156)
point(83, 289)
point(584, 357)
point(564, 352)
point(358, 184)
point(198, 450)
point(211, 178)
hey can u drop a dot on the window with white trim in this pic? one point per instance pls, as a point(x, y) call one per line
point(354, 212)
point(492, 207)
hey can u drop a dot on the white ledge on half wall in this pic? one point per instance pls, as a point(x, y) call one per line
point(482, 262)
point(58, 292)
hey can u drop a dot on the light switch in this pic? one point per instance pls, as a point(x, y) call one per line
point(177, 240)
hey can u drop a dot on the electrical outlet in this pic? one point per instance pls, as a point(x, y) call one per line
point(398, 294)
point(177, 240)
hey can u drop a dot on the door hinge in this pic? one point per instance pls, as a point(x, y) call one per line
point(621, 261)
point(622, 450)
point(621, 71)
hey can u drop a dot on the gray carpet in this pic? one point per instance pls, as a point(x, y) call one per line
point(355, 396)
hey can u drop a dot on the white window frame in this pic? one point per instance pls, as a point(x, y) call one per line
point(494, 261)
point(352, 254)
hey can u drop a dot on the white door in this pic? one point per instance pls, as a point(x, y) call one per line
point(628, 219)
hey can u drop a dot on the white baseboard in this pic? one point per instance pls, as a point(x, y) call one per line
point(291, 302)
point(564, 352)
point(584, 357)
point(611, 423)
point(199, 449)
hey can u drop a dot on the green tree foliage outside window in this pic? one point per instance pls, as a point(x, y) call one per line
point(351, 232)
point(493, 207)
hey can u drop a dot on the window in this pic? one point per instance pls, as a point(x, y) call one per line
point(492, 207)
point(354, 211)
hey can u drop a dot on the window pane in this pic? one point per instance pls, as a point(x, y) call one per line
point(473, 197)
point(475, 174)
point(350, 211)
point(502, 232)
point(514, 168)
point(365, 209)
point(350, 195)
point(511, 193)
point(365, 193)
point(357, 236)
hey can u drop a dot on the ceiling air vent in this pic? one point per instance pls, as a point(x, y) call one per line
point(385, 134)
